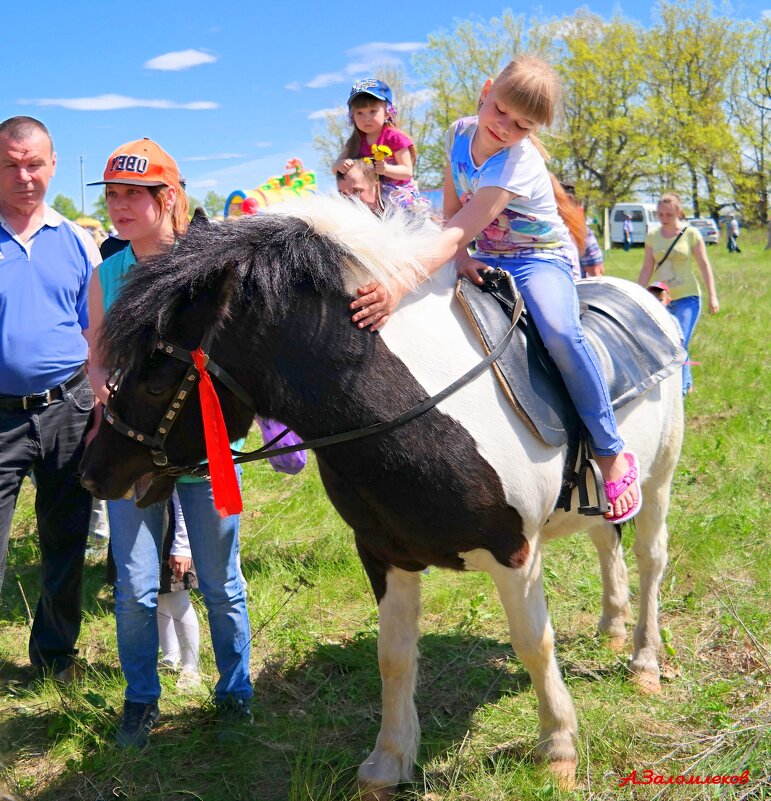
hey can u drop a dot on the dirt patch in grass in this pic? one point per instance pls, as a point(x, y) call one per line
point(699, 423)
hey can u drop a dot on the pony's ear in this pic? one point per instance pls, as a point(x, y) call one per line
point(199, 218)
point(223, 286)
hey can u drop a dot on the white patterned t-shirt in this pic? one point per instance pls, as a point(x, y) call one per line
point(530, 220)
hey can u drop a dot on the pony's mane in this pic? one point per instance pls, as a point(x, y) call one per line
point(387, 248)
point(333, 242)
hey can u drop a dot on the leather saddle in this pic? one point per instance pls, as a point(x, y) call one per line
point(634, 351)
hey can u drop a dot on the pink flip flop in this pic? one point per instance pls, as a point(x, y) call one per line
point(614, 489)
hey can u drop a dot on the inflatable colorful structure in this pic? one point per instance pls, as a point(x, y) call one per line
point(295, 182)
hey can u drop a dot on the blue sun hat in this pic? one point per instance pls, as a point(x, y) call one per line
point(378, 89)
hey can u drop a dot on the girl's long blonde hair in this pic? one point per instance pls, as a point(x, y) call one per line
point(531, 86)
point(571, 212)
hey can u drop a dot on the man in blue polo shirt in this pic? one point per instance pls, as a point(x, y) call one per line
point(45, 397)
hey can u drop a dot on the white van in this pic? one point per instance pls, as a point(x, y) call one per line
point(643, 216)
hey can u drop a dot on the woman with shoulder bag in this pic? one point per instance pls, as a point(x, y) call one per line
point(668, 257)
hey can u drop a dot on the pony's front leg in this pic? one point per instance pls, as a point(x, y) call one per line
point(650, 547)
point(532, 637)
point(615, 583)
point(392, 760)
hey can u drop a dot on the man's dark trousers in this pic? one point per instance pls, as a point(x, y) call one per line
point(49, 442)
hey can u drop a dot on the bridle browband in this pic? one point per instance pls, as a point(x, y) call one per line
point(156, 442)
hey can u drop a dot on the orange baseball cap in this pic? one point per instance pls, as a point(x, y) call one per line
point(141, 163)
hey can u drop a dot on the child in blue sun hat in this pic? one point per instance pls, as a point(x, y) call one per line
point(375, 136)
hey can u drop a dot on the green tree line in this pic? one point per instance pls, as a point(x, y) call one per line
point(683, 104)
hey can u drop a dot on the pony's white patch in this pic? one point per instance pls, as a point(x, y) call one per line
point(389, 248)
point(430, 334)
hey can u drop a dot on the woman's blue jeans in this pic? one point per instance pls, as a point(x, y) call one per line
point(136, 536)
point(686, 311)
point(546, 284)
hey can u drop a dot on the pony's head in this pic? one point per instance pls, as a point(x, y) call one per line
point(244, 282)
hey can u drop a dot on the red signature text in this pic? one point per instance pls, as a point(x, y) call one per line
point(649, 777)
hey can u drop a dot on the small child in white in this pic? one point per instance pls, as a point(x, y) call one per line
point(178, 628)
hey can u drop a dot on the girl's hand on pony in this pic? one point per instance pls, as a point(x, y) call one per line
point(375, 305)
point(180, 565)
point(468, 267)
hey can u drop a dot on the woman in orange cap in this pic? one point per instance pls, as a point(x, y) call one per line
point(148, 207)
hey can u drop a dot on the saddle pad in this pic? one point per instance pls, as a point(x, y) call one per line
point(634, 351)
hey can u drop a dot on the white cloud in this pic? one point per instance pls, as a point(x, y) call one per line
point(420, 97)
point(766, 14)
point(262, 144)
point(362, 59)
point(374, 51)
point(114, 102)
point(179, 60)
point(295, 86)
point(327, 79)
point(323, 113)
point(215, 157)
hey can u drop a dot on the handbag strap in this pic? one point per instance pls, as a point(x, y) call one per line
point(669, 249)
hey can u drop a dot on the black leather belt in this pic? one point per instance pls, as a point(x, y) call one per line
point(41, 399)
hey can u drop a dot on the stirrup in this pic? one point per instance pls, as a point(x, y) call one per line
point(602, 506)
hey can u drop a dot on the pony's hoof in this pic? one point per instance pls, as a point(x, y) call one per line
point(617, 643)
point(369, 793)
point(564, 773)
point(648, 682)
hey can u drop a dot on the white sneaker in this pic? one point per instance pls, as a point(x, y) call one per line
point(188, 680)
point(169, 664)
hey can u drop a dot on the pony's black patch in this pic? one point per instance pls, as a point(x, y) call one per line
point(415, 496)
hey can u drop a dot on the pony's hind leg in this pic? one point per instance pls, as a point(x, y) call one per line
point(615, 583)
point(393, 757)
point(650, 547)
point(532, 637)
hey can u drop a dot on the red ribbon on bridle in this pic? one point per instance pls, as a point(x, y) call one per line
point(224, 482)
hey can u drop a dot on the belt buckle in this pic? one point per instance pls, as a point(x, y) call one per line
point(45, 397)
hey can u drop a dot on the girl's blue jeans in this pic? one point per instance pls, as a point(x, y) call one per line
point(686, 311)
point(136, 536)
point(546, 284)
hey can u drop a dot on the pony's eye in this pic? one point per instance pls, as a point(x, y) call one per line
point(155, 392)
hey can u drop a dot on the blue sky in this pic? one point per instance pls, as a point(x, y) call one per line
point(231, 89)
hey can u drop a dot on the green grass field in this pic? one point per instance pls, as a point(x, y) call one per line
point(314, 626)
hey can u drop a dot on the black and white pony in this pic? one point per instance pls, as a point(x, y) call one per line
point(465, 486)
